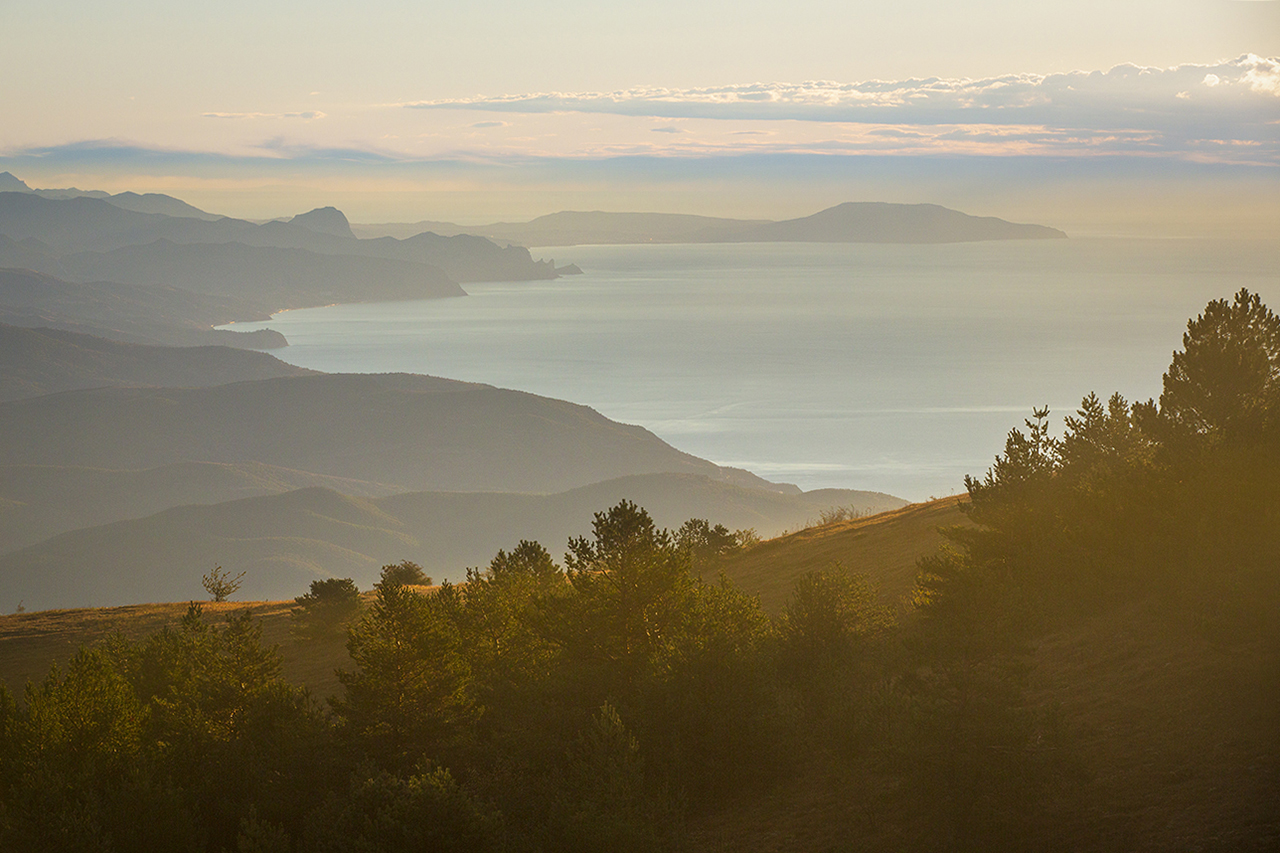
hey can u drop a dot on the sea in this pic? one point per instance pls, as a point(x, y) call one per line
point(893, 368)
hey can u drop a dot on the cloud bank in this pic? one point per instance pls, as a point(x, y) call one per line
point(1234, 100)
point(1242, 87)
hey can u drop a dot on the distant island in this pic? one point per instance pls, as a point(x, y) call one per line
point(851, 222)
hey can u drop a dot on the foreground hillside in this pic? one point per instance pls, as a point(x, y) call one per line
point(880, 545)
point(1172, 741)
point(1171, 736)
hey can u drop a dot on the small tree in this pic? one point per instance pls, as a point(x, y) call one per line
point(221, 585)
point(324, 610)
point(404, 573)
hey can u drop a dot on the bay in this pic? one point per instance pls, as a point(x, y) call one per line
point(886, 367)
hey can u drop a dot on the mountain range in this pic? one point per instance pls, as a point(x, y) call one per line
point(851, 222)
point(41, 360)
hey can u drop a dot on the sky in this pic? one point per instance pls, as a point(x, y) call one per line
point(1125, 115)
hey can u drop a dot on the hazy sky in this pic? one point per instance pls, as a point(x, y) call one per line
point(467, 110)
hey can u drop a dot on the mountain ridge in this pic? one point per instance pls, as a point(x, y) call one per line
point(874, 222)
point(284, 541)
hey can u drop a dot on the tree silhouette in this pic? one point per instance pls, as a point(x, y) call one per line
point(1225, 383)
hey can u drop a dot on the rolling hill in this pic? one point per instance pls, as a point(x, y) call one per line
point(134, 313)
point(74, 225)
point(36, 361)
point(413, 432)
point(285, 541)
point(40, 501)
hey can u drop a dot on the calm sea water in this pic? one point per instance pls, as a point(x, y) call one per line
point(893, 368)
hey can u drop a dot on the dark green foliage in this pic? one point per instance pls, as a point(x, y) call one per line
point(829, 628)
point(384, 813)
point(166, 744)
point(705, 543)
point(631, 583)
point(327, 608)
point(607, 802)
point(411, 696)
point(404, 573)
point(1225, 384)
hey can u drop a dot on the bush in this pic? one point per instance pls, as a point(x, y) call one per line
point(327, 608)
point(404, 573)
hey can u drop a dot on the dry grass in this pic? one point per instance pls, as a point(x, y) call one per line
point(1180, 735)
point(31, 642)
point(884, 547)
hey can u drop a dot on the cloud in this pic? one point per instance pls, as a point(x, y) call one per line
point(492, 124)
point(308, 115)
point(1245, 91)
point(667, 129)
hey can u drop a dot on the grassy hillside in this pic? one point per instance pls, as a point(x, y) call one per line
point(1174, 740)
point(885, 547)
point(31, 642)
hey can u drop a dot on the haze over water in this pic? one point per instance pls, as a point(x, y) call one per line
point(884, 367)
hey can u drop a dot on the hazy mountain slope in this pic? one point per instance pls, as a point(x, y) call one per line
point(89, 224)
point(40, 501)
point(574, 227)
point(285, 541)
point(325, 220)
point(879, 222)
point(873, 222)
point(414, 432)
point(76, 224)
point(147, 314)
point(267, 277)
point(28, 254)
point(35, 361)
point(166, 205)
point(281, 540)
